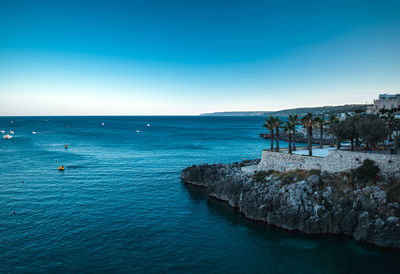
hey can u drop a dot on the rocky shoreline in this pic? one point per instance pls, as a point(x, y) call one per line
point(308, 201)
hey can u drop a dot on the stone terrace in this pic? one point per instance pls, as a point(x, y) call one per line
point(336, 161)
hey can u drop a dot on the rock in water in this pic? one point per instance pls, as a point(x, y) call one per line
point(307, 201)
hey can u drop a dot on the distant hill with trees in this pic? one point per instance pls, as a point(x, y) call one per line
point(298, 111)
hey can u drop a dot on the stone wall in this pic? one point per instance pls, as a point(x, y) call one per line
point(336, 161)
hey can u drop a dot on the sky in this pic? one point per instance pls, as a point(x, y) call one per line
point(189, 57)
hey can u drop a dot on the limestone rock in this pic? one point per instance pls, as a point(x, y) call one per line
point(312, 205)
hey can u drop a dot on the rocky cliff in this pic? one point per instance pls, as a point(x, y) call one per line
point(308, 201)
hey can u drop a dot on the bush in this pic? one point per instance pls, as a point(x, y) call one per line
point(366, 172)
point(259, 176)
point(393, 190)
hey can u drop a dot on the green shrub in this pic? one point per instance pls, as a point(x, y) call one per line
point(259, 176)
point(393, 190)
point(366, 172)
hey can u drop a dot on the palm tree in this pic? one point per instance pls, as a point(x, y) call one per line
point(390, 121)
point(320, 121)
point(270, 125)
point(294, 121)
point(396, 126)
point(288, 127)
point(308, 123)
point(278, 123)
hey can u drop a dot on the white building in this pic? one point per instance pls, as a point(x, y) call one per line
point(385, 101)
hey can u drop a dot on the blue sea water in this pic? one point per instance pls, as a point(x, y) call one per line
point(119, 206)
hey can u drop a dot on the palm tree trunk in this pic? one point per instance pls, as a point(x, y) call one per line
point(357, 141)
point(277, 139)
point(352, 144)
point(272, 139)
point(321, 138)
point(309, 136)
point(290, 142)
point(338, 143)
point(294, 139)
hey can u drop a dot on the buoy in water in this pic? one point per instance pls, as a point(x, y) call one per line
point(102, 124)
point(61, 168)
point(66, 146)
point(14, 212)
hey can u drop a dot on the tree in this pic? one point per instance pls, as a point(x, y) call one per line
point(308, 123)
point(396, 127)
point(390, 119)
point(288, 127)
point(278, 123)
point(332, 121)
point(337, 128)
point(320, 121)
point(350, 129)
point(369, 170)
point(293, 119)
point(270, 125)
point(358, 110)
point(372, 129)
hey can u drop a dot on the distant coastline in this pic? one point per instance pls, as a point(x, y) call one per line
point(298, 111)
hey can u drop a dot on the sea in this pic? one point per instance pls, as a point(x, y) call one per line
point(119, 205)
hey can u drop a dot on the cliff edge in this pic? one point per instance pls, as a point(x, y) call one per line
point(310, 201)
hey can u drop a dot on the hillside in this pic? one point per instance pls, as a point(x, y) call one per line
point(285, 112)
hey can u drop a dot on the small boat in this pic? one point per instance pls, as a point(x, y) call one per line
point(7, 136)
point(61, 168)
point(148, 125)
point(2, 131)
point(11, 132)
point(137, 131)
point(102, 124)
point(33, 132)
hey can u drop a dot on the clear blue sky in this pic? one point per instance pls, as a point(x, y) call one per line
point(188, 57)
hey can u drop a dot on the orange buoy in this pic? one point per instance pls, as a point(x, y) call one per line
point(66, 146)
point(61, 168)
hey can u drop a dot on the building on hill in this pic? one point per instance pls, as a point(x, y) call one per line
point(385, 102)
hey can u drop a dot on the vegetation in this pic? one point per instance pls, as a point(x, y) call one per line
point(298, 111)
point(289, 127)
point(393, 190)
point(359, 129)
point(371, 129)
point(278, 123)
point(270, 125)
point(293, 119)
point(308, 123)
point(366, 172)
point(259, 176)
point(320, 121)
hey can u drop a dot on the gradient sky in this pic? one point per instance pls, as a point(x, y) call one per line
point(188, 57)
